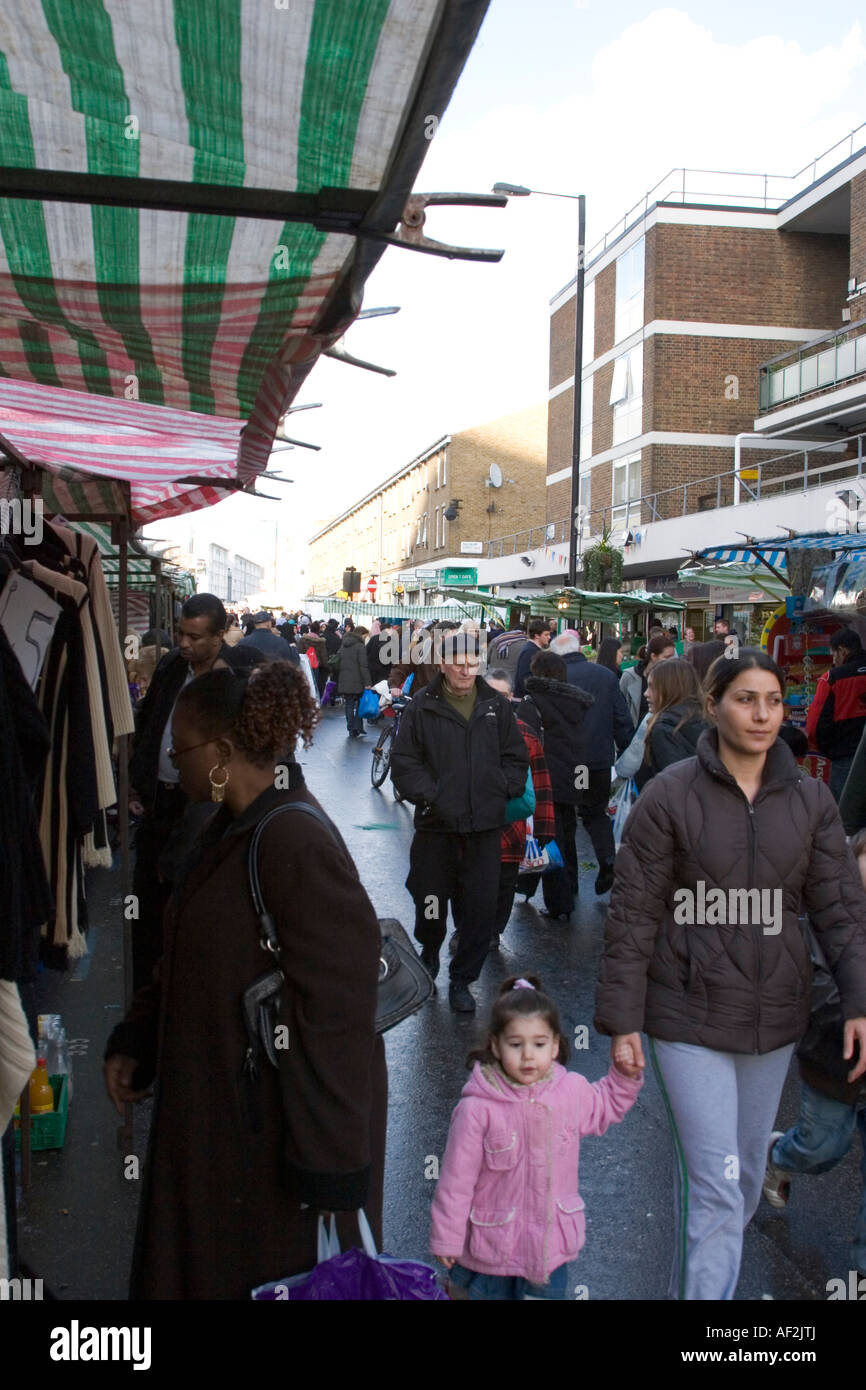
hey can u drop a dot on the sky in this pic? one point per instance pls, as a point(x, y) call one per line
point(570, 96)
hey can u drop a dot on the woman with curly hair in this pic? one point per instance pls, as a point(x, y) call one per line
point(242, 1161)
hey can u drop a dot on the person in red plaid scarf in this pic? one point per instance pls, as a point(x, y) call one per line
point(513, 839)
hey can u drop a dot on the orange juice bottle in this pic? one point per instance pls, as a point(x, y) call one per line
point(41, 1094)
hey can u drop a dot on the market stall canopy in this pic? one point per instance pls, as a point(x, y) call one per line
point(140, 570)
point(739, 574)
point(193, 197)
point(583, 604)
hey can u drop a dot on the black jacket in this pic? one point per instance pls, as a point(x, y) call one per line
point(459, 775)
point(528, 652)
point(155, 710)
point(557, 711)
point(668, 744)
point(608, 722)
point(378, 669)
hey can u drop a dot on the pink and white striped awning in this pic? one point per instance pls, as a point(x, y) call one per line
point(149, 447)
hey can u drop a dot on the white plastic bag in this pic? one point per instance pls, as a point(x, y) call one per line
point(625, 799)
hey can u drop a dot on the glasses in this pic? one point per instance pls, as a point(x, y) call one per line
point(175, 753)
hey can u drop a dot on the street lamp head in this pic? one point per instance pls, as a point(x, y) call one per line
point(512, 190)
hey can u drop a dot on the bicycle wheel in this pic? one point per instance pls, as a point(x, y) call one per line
point(398, 796)
point(381, 763)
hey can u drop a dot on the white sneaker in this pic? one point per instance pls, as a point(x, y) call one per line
point(777, 1181)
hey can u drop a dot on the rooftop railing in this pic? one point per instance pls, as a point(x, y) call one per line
point(724, 188)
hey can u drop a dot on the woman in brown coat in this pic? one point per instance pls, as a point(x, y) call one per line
point(704, 952)
point(239, 1168)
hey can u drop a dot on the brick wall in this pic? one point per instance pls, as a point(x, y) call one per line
point(709, 385)
point(562, 344)
point(516, 442)
point(858, 239)
point(605, 303)
point(748, 275)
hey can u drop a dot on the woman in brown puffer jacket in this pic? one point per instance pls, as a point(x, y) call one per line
point(704, 953)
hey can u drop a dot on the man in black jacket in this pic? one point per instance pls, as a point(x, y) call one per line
point(155, 793)
point(606, 725)
point(459, 757)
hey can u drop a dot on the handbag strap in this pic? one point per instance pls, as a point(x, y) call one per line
point(269, 940)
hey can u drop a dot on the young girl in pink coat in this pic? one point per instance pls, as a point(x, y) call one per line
point(507, 1214)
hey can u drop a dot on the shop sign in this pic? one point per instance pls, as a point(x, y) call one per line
point(452, 578)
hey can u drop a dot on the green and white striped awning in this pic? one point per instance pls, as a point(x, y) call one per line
point(139, 568)
point(184, 334)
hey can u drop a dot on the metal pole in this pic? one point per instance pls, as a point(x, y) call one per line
point(125, 1131)
point(578, 373)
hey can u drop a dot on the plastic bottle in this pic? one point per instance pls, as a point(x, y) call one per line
point(41, 1094)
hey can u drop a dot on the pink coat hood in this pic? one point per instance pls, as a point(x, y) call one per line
point(507, 1200)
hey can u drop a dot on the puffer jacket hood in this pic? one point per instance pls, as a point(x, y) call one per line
point(507, 1201)
point(560, 709)
point(354, 672)
point(693, 953)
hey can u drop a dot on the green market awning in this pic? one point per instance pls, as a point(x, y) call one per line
point(738, 575)
point(140, 571)
point(135, 138)
point(582, 604)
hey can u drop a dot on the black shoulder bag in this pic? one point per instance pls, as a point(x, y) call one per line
point(404, 984)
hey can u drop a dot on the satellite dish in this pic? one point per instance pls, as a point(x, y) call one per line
point(495, 475)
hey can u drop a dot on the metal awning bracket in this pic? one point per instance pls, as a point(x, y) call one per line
point(410, 234)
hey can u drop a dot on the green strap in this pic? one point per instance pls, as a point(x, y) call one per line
point(684, 1175)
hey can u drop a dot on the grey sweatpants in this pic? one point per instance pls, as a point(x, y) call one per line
point(721, 1106)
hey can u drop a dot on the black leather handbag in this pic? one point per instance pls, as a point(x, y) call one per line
point(404, 984)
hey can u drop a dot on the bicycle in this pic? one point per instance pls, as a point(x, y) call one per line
point(381, 764)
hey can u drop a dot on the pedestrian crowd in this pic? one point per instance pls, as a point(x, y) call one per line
point(735, 936)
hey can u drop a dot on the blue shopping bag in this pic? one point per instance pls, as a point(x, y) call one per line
point(369, 705)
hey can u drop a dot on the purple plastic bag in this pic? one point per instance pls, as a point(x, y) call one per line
point(356, 1276)
point(328, 693)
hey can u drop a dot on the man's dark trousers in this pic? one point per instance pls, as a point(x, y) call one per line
point(592, 809)
point(560, 886)
point(463, 870)
point(152, 892)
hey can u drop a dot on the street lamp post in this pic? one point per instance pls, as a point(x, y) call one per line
point(516, 190)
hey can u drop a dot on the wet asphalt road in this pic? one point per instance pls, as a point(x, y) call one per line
point(79, 1215)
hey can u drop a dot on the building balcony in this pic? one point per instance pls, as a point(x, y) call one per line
point(820, 383)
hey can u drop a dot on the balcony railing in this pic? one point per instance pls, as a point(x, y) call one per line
point(757, 481)
point(826, 361)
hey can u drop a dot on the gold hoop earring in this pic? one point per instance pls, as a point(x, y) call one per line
point(217, 789)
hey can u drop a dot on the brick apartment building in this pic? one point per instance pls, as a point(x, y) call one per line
point(681, 312)
point(492, 475)
point(733, 317)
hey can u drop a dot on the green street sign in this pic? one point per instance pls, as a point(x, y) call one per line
point(449, 579)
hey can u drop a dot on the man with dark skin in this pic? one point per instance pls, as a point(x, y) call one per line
point(155, 793)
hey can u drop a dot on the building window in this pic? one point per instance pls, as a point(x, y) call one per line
point(438, 470)
point(438, 532)
point(444, 467)
point(628, 316)
point(588, 322)
point(626, 395)
point(585, 504)
point(626, 492)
